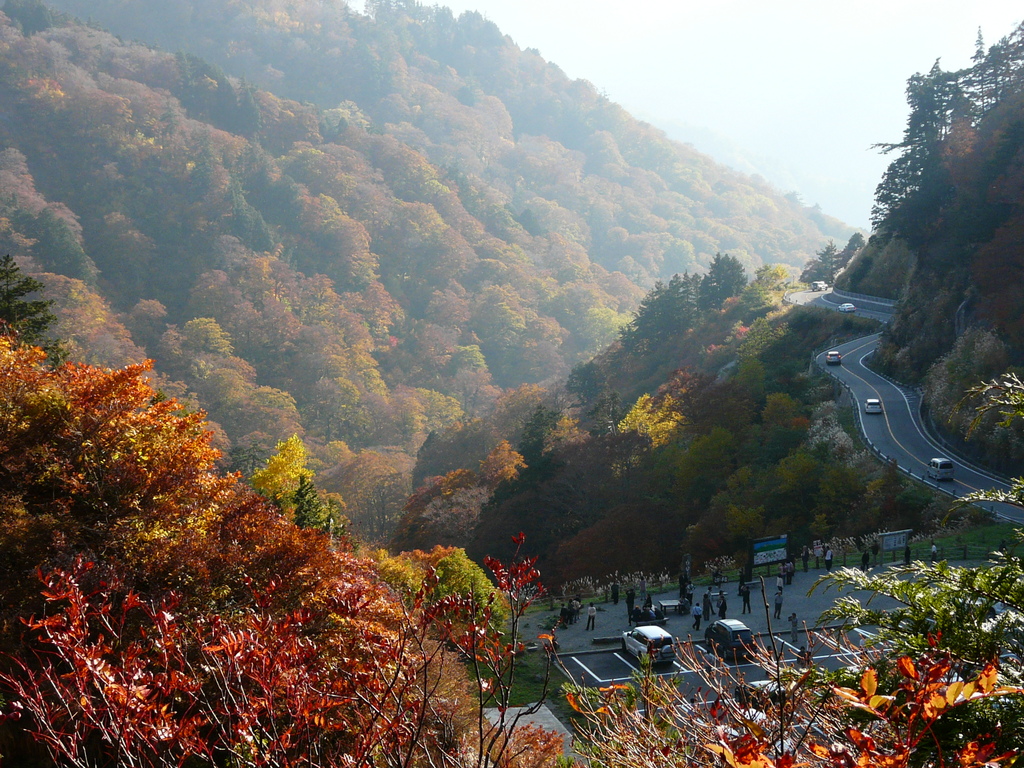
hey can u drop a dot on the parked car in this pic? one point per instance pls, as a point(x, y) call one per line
point(872, 405)
point(650, 641)
point(729, 638)
point(832, 357)
point(940, 468)
point(847, 308)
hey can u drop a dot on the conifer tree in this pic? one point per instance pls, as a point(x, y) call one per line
point(30, 319)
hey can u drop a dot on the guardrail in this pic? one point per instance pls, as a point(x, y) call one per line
point(877, 451)
point(865, 297)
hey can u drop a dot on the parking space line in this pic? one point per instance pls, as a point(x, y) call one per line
point(587, 670)
point(625, 661)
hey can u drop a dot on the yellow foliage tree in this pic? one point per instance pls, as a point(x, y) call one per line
point(658, 419)
point(279, 479)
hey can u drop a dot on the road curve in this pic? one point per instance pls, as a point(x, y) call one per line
point(897, 433)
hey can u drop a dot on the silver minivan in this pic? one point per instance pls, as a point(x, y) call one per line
point(940, 468)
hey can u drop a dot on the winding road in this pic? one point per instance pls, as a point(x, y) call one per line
point(897, 433)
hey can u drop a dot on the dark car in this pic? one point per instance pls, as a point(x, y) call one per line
point(729, 638)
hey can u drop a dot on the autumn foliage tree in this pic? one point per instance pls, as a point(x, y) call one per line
point(183, 617)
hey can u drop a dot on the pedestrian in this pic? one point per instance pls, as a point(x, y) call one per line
point(790, 570)
point(804, 658)
point(630, 602)
point(935, 552)
point(563, 616)
point(805, 556)
point(574, 609)
point(874, 551)
point(697, 614)
point(722, 605)
point(615, 593)
point(794, 628)
point(828, 559)
point(778, 604)
point(683, 584)
point(643, 589)
point(745, 594)
point(591, 617)
point(706, 604)
point(906, 554)
point(865, 561)
point(780, 582)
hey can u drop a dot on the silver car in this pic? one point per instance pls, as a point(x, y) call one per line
point(650, 641)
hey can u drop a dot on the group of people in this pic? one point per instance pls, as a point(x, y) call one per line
point(570, 613)
point(708, 607)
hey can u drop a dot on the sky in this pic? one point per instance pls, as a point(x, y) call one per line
point(795, 90)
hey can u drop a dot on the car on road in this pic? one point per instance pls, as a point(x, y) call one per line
point(650, 641)
point(819, 285)
point(729, 638)
point(872, 405)
point(832, 357)
point(940, 468)
point(847, 308)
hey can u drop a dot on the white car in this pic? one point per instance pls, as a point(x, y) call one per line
point(872, 405)
point(847, 308)
point(652, 641)
point(832, 357)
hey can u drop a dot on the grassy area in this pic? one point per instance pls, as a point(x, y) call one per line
point(983, 538)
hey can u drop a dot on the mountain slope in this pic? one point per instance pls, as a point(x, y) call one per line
point(452, 217)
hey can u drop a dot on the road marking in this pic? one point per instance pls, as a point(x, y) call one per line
point(871, 341)
point(588, 671)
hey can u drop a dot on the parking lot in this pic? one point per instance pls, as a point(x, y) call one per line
point(603, 668)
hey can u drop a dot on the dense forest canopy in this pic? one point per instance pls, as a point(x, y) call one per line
point(355, 229)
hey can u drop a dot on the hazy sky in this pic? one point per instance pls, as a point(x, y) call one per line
point(795, 90)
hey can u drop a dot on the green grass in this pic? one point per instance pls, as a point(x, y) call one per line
point(983, 538)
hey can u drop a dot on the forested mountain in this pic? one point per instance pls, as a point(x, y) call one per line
point(702, 428)
point(355, 229)
point(950, 219)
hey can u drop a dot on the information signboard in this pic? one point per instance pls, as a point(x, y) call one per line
point(773, 549)
point(892, 540)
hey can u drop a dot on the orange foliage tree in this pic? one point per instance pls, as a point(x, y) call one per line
point(184, 618)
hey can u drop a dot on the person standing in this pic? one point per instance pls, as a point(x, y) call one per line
point(643, 589)
point(906, 554)
point(865, 561)
point(794, 628)
point(828, 559)
point(745, 594)
point(591, 616)
point(563, 616)
point(706, 604)
point(935, 552)
point(630, 602)
point(780, 581)
point(778, 604)
point(697, 614)
point(805, 556)
point(615, 593)
point(722, 605)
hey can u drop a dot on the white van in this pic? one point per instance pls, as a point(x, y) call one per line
point(940, 469)
point(819, 285)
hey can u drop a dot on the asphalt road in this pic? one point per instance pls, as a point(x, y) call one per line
point(897, 433)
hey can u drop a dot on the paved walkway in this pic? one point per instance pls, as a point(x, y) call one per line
point(611, 619)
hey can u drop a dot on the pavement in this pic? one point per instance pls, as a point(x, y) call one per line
point(611, 619)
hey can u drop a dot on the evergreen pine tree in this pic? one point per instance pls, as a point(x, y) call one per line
point(310, 511)
point(29, 319)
